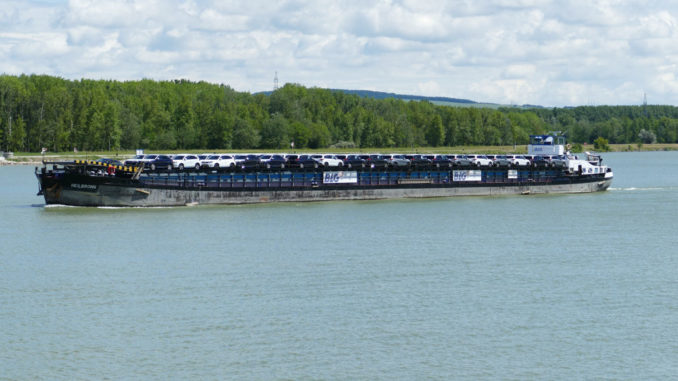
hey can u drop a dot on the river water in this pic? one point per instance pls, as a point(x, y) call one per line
point(517, 287)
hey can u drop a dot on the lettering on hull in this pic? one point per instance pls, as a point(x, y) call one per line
point(84, 187)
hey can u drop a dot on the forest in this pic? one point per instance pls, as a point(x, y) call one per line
point(39, 111)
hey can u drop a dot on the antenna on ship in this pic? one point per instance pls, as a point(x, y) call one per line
point(275, 81)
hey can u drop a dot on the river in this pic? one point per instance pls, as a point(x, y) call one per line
point(517, 287)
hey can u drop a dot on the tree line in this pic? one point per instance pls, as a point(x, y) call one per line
point(44, 111)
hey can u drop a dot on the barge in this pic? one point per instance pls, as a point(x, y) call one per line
point(91, 183)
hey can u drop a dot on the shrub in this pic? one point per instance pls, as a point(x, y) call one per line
point(577, 147)
point(646, 136)
point(601, 144)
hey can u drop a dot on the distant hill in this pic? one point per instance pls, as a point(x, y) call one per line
point(441, 101)
point(383, 95)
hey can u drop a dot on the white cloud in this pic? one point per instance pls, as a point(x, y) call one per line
point(214, 20)
point(35, 45)
point(101, 13)
point(520, 51)
point(429, 87)
point(659, 25)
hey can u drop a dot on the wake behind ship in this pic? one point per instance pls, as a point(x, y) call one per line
point(547, 168)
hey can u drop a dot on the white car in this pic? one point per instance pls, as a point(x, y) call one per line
point(186, 161)
point(329, 160)
point(519, 161)
point(397, 160)
point(480, 160)
point(218, 162)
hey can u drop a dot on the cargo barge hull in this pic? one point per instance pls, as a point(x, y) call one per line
point(192, 189)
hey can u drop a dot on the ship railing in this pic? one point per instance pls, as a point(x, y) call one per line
point(310, 179)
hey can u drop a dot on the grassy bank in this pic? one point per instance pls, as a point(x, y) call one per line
point(643, 147)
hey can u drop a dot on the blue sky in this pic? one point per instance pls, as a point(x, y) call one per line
point(552, 53)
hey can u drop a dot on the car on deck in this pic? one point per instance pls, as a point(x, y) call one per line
point(397, 161)
point(158, 162)
point(419, 161)
point(462, 161)
point(329, 160)
point(218, 162)
point(442, 161)
point(501, 161)
point(519, 161)
point(355, 161)
point(307, 161)
point(186, 161)
point(274, 161)
point(480, 160)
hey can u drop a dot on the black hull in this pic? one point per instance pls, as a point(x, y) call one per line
point(169, 189)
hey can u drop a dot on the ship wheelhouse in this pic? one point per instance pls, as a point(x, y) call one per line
point(552, 144)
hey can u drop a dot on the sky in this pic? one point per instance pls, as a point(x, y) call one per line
point(541, 52)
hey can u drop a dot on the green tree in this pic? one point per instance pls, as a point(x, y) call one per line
point(166, 140)
point(17, 135)
point(601, 144)
point(96, 139)
point(647, 137)
point(62, 138)
point(320, 136)
point(219, 130)
point(111, 128)
point(301, 134)
point(435, 132)
point(275, 132)
point(244, 136)
point(130, 129)
point(183, 121)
